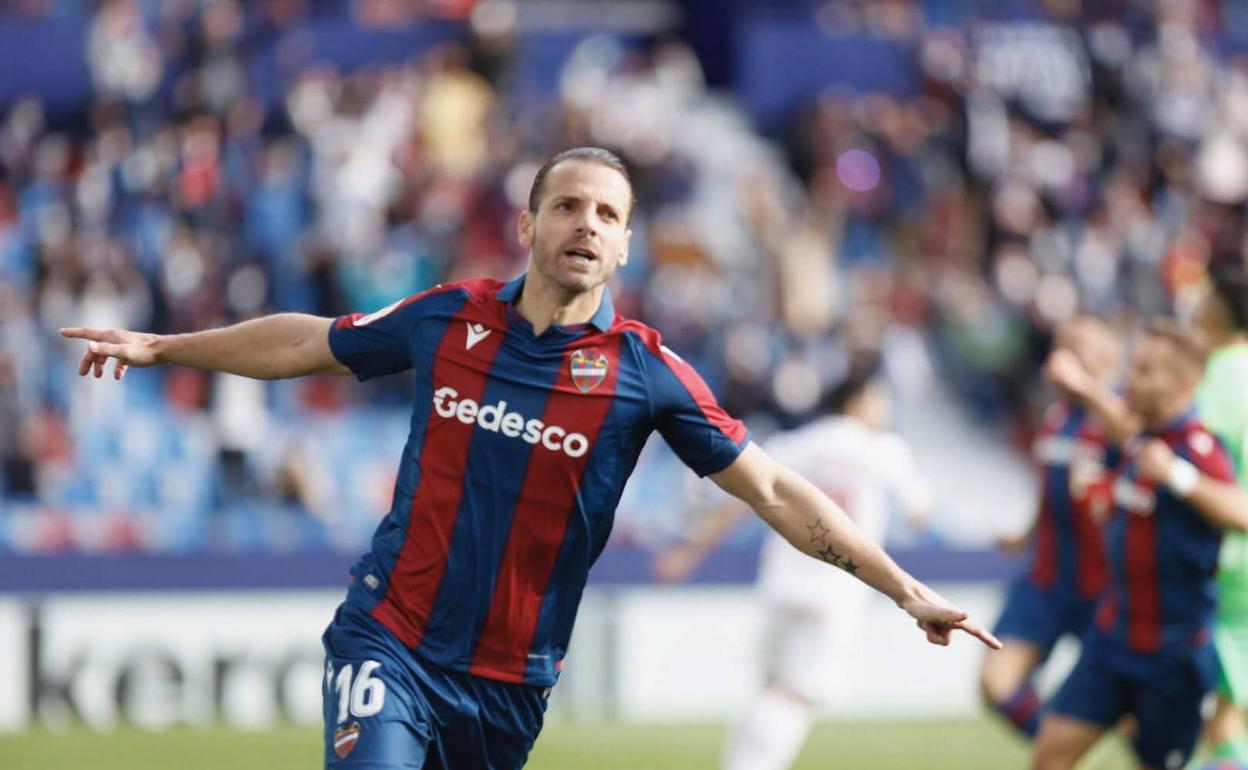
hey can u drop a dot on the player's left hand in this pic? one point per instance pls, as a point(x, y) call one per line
point(939, 619)
point(1153, 460)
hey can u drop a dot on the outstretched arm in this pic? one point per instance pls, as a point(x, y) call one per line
point(814, 524)
point(268, 348)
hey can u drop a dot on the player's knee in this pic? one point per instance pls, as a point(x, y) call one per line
point(996, 683)
point(1051, 755)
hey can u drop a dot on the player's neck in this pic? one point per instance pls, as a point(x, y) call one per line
point(1168, 415)
point(544, 306)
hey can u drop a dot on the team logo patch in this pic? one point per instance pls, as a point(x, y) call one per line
point(589, 369)
point(345, 739)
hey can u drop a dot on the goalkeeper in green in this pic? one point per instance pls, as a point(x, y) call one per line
point(1222, 404)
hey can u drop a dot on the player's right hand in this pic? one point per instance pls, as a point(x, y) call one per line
point(938, 619)
point(1066, 371)
point(128, 348)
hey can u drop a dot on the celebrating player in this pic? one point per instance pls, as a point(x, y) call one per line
point(531, 404)
point(1066, 570)
point(812, 612)
point(1149, 653)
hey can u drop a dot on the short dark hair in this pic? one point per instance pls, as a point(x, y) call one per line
point(602, 157)
point(1230, 285)
point(862, 374)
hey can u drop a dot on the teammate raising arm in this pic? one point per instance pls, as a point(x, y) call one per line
point(1066, 569)
point(1148, 653)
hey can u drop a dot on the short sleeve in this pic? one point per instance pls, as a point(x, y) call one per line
point(377, 343)
point(689, 418)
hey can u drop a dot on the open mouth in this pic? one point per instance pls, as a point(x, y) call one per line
point(582, 256)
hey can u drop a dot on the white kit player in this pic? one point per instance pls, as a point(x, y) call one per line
point(813, 612)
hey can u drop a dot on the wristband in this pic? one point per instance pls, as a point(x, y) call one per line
point(1182, 477)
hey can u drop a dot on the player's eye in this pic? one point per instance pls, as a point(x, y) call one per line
point(563, 206)
point(609, 215)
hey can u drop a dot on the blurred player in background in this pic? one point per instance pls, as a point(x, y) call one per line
point(1066, 570)
point(812, 614)
point(1149, 654)
point(1222, 403)
point(532, 402)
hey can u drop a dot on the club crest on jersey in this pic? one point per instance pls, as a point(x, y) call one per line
point(345, 739)
point(589, 369)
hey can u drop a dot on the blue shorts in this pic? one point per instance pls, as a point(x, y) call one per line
point(1040, 616)
point(1166, 697)
point(385, 708)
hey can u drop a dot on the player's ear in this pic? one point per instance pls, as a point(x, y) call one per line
point(524, 229)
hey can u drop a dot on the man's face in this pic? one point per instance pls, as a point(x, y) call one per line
point(1156, 380)
point(579, 235)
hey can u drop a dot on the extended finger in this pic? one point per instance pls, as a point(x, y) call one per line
point(89, 333)
point(977, 631)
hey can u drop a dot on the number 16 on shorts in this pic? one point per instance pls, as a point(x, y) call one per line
point(360, 694)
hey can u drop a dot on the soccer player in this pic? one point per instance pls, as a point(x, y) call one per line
point(1149, 653)
point(532, 401)
point(1066, 569)
point(812, 612)
point(1222, 404)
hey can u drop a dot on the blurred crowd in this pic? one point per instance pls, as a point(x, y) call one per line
point(1053, 159)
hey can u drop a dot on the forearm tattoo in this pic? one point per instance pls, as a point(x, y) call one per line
point(824, 550)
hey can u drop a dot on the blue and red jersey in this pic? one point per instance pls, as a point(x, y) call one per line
point(1162, 552)
point(519, 449)
point(1068, 555)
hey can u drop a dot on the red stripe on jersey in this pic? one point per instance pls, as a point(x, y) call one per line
point(734, 429)
point(1143, 589)
point(1107, 612)
point(539, 525)
point(702, 396)
point(1091, 562)
point(1044, 568)
point(418, 570)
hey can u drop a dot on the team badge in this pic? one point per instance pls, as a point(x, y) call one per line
point(345, 739)
point(589, 369)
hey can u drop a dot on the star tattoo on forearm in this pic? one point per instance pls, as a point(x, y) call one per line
point(819, 536)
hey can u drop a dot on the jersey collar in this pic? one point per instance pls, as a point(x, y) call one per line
point(601, 320)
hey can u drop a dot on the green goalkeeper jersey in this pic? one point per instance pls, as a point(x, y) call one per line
point(1222, 403)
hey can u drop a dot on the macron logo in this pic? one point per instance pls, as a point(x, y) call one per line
point(476, 333)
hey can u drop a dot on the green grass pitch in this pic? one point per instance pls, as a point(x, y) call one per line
point(963, 745)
